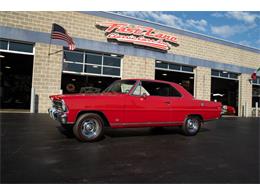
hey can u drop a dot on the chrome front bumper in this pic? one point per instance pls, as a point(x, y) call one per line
point(58, 115)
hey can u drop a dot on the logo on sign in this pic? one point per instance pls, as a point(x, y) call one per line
point(138, 35)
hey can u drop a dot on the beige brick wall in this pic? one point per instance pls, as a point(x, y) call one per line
point(83, 26)
point(202, 83)
point(46, 75)
point(138, 67)
point(245, 95)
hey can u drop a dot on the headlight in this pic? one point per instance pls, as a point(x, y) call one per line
point(63, 106)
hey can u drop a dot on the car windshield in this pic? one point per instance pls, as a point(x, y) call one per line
point(121, 86)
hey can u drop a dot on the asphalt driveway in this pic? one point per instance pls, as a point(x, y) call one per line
point(35, 150)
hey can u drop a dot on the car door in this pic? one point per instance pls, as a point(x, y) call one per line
point(148, 104)
point(179, 106)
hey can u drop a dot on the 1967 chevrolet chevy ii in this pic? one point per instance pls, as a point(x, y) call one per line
point(132, 103)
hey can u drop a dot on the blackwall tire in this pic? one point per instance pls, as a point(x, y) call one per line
point(89, 128)
point(191, 125)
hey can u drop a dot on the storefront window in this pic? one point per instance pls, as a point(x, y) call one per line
point(111, 71)
point(3, 44)
point(112, 61)
point(73, 67)
point(23, 47)
point(16, 46)
point(174, 67)
point(233, 75)
point(93, 69)
point(171, 66)
point(93, 59)
point(214, 72)
point(73, 56)
point(224, 74)
point(93, 63)
point(162, 65)
point(187, 68)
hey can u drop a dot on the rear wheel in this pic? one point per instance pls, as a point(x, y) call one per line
point(89, 127)
point(191, 125)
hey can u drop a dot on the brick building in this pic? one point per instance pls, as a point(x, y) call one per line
point(210, 68)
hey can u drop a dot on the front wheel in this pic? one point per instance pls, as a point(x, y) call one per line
point(191, 125)
point(89, 127)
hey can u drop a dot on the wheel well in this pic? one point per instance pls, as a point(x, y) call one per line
point(197, 115)
point(101, 114)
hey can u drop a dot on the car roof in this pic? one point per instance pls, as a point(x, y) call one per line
point(152, 80)
point(180, 88)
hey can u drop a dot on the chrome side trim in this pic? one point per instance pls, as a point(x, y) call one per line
point(146, 123)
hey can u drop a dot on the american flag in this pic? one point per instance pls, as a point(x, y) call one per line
point(58, 32)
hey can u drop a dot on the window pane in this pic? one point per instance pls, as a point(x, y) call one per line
point(73, 67)
point(93, 59)
point(111, 61)
point(73, 56)
point(139, 90)
point(233, 75)
point(223, 74)
point(111, 71)
point(20, 47)
point(215, 72)
point(175, 93)
point(3, 44)
point(161, 65)
point(187, 68)
point(157, 89)
point(93, 69)
point(174, 67)
point(121, 86)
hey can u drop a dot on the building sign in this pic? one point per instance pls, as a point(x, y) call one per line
point(137, 35)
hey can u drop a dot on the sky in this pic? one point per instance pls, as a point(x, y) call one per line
point(238, 27)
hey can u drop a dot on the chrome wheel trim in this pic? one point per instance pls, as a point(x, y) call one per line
point(90, 128)
point(192, 125)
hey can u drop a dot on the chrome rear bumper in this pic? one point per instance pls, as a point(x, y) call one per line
point(58, 115)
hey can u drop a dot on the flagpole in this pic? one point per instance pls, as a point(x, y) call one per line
point(50, 41)
point(48, 62)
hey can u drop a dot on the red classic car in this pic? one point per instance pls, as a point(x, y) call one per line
point(228, 110)
point(132, 103)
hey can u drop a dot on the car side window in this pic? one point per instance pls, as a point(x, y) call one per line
point(156, 89)
point(175, 92)
point(139, 90)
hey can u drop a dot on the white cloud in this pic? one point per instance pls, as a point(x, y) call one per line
point(198, 24)
point(246, 17)
point(218, 14)
point(227, 30)
point(168, 19)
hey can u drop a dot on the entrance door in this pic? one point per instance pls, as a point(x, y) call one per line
point(16, 80)
point(225, 91)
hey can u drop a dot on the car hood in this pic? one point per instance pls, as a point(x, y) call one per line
point(80, 95)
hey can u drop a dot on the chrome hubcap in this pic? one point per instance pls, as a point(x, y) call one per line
point(192, 125)
point(90, 128)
